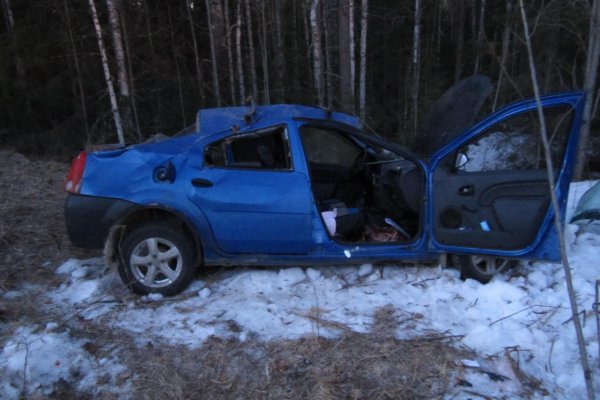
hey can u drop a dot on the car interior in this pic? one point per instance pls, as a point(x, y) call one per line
point(374, 193)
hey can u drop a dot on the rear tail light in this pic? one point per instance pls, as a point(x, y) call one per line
point(75, 175)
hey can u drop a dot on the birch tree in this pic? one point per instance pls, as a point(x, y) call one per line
point(346, 88)
point(228, 29)
point(362, 106)
point(122, 75)
point(589, 85)
point(213, 54)
point(279, 53)
point(317, 52)
point(107, 76)
point(415, 64)
point(238, 47)
point(188, 7)
point(263, 52)
point(252, 61)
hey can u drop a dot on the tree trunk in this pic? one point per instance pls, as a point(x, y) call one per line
point(10, 25)
point(317, 55)
point(228, 29)
point(263, 52)
point(78, 72)
point(279, 52)
point(460, 38)
point(587, 372)
point(591, 70)
point(213, 54)
point(177, 69)
point(415, 64)
point(362, 105)
point(253, 76)
point(480, 32)
point(352, 43)
point(346, 83)
point(188, 8)
point(238, 47)
point(136, 119)
point(328, 74)
point(505, 47)
point(107, 75)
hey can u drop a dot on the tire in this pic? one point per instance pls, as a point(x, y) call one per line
point(483, 268)
point(156, 258)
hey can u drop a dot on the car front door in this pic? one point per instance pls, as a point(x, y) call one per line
point(489, 187)
point(253, 197)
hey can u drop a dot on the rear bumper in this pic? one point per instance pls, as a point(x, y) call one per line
point(89, 218)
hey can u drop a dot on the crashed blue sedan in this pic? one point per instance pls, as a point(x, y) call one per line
point(298, 185)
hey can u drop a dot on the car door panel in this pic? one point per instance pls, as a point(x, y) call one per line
point(502, 206)
point(503, 209)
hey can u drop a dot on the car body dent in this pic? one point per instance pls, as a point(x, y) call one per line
point(128, 174)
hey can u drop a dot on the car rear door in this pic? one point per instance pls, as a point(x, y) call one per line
point(253, 197)
point(489, 187)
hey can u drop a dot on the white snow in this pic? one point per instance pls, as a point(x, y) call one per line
point(523, 313)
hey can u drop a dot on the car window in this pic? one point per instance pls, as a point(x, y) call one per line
point(268, 149)
point(516, 143)
point(328, 146)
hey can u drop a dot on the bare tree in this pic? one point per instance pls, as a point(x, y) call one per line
point(253, 76)
point(279, 53)
point(362, 88)
point(10, 24)
point(238, 47)
point(177, 68)
point(213, 53)
point(188, 7)
point(317, 53)
point(263, 52)
point(480, 31)
point(136, 119)
point(557, 214)
point(505, 47)
point(591, 71)
point(78, 72)
point(415, 64)
point(460, 38)
point(107, 76)
point(228, 29)
point(122, 73)
point(346, 88)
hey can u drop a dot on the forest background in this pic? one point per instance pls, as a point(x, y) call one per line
point(163, 60)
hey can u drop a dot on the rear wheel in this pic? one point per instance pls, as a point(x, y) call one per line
point(483, 268)
point(156, 259)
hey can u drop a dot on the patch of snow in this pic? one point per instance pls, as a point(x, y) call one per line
point(522, 314)
point(36, 360)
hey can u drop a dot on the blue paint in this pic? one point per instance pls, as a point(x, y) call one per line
point(266, 217)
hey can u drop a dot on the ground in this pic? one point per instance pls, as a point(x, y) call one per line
point(71, 330)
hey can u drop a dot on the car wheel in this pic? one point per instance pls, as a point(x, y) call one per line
point(156, 259)
point(483, 268)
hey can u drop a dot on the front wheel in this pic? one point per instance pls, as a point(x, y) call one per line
point(156, 259)
point(483, 268)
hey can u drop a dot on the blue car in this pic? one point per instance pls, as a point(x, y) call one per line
point(297, 185)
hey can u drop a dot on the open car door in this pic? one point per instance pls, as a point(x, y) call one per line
point(489, 186)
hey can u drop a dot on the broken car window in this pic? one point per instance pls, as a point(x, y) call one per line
point(257, 150)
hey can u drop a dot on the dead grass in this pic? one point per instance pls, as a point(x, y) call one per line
point(32, 229)
point(354, 366)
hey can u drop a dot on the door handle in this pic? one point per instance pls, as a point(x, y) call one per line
point(199, 182)
point(468, 190)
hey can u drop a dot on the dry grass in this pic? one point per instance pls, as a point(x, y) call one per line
point(355, 366)
point(32, 229)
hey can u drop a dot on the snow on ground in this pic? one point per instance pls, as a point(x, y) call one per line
point(523, 312)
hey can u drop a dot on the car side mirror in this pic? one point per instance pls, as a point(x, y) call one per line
point(461, 162)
